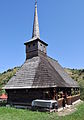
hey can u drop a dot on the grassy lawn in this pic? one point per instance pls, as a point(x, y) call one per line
point(18, 114)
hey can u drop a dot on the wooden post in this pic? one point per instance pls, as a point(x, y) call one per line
point(56, 96)
point(54, 93)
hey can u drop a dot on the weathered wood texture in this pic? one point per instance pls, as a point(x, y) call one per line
point(60, 102)
point(40, 72)
point(26, 96)
point(72, 99)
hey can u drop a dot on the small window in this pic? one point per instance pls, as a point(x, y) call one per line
point(40, 44)
point(34, 44)
point(29, 46)
point(14, 91)
point(26, 90)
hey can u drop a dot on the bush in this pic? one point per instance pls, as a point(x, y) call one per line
point(9, 70)
point(82, 93)
point(3, 102)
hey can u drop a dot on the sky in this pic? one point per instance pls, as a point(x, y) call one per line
point(61, 24)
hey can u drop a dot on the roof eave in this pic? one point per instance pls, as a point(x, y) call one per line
point(37, 87)
point(35, 39)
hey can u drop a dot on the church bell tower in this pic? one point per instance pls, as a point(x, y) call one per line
point(35, 46)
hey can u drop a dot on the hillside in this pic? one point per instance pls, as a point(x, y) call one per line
point(76, 74)
point(5, 76)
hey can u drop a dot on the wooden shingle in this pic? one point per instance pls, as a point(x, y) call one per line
point(40, 72)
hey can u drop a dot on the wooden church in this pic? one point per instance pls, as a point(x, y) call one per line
point(40, 77)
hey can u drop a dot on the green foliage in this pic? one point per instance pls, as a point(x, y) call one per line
point(5, 77)
point(81, 92)
point(3, 103)
point(9, 70)
point(78, 115)
point(77, 75)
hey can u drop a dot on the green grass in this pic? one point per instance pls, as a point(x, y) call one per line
point(18, 114)
point(78, 115)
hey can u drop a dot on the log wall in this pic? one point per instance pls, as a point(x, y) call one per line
point(26, 96)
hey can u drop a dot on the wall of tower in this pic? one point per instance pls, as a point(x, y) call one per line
point(42, 47)
point(35, 48)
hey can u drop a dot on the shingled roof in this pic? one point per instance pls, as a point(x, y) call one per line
point(40, 72)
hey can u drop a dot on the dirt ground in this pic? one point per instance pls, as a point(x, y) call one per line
point(69, 109)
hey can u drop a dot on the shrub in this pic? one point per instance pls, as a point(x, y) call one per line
point(82, 93)
point(3, 103)
point(9, 70)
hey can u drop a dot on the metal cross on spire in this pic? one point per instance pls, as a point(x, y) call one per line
point(36, 33)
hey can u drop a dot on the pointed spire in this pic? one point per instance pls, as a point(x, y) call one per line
point(36, 33)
